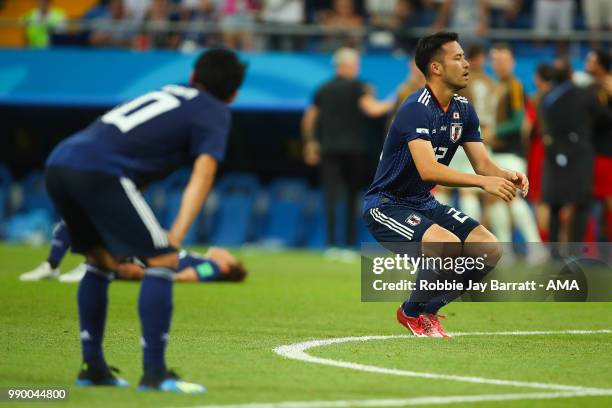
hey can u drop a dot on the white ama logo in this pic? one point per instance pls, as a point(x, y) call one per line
point(127, 116)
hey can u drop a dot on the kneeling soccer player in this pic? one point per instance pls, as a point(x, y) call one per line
point(399, 208)
point(93, 178)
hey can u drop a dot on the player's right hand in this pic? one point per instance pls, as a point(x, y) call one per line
point(499, 187)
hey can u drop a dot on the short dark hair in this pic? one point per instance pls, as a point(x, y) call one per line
point(546, 72)
point(220, 72)
point(502, 46)
point(603, 58)
point(236, 273)
point(429, 47)
point(475, 49)
point(563, 70)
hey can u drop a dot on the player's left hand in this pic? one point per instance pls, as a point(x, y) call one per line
point(520, 181)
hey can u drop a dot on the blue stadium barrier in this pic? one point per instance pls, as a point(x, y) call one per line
point(275, 82)
point(285, 219)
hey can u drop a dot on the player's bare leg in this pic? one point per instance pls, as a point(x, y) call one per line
point(481, 242)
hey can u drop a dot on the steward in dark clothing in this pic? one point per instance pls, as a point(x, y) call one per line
point(334, 130)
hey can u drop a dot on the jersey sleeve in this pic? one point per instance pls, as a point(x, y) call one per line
point(471, 133)
point(209, 135)
point(413, 121)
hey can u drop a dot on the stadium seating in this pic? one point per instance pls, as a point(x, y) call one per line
point(315, 221)
point(34, 213)
point(233, 223)
point(32, 227)
point(284, 221)
point(13, 36)
point(35, 194)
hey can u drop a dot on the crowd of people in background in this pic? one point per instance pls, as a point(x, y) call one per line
point(145, 24)
point(561, 137)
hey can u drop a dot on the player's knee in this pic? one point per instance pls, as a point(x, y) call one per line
point(165, 261)
point(494, 251)
point(482, 243)
point(440, 242)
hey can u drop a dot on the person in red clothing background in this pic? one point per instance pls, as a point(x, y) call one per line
point(598, 64)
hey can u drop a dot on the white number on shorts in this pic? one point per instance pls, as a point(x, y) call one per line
point(126, 117)
point(457, 215)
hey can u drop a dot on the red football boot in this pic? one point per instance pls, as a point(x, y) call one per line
point(416, 325)
point(435, 323)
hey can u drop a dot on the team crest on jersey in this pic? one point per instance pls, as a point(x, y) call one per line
point(455, 115)
point(413, 220)
point(455, 133)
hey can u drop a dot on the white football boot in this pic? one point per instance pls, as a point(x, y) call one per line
point(42, 271)
point(74, 275)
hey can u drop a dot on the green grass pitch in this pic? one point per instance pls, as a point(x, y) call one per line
point(223, 336)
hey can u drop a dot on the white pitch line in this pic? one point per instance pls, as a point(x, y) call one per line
point(403, 402)
point(297, 351)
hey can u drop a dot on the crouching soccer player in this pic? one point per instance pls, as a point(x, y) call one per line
point(399, 208)
point(93, 179)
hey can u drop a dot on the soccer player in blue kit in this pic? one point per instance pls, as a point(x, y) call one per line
point(399, 207)
point(93, 178)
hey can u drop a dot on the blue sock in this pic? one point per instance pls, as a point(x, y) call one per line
point(59, 244)
point(155, 311)
point(441, 300)
point(92, 301)
point(419, 297)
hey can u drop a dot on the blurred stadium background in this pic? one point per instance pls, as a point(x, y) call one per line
point(59, 73)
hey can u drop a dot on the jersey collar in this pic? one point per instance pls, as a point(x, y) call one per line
point(437, 101)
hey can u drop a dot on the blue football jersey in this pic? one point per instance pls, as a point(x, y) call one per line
point(150, 136)
point(397, 180)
